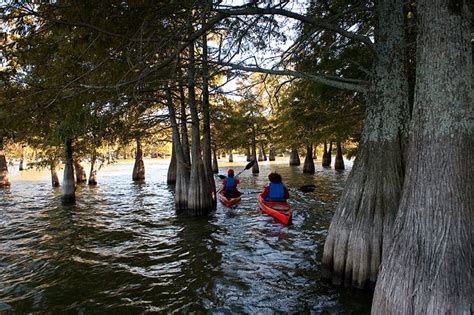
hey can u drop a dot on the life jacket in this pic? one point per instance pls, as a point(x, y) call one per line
point(277, 192)
point(231, 183)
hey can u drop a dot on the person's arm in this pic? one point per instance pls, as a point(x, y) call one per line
point(266, 191)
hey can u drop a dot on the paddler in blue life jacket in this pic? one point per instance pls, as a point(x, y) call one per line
point(275, 191)
point(229, 185)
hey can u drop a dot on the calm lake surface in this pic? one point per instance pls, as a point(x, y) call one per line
point(123, 249)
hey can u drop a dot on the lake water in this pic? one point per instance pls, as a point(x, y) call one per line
point(123, 249)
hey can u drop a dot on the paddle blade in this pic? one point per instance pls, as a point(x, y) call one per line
point(250, 164)
point(221, 176)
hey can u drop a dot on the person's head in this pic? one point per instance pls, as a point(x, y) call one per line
point(230, 172)
point(274, 177)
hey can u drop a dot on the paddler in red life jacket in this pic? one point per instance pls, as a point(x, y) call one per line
point(275, 191)
point(229, 185)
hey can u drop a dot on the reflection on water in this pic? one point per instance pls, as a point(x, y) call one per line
point(123, 249)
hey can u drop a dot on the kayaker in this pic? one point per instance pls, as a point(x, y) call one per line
point(275, 190)
point(229, 185)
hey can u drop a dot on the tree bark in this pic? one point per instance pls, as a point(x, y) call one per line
point(231, 156)
point(81, 176)
point(4, 180)
point(69, 187)
point(360, 230)
point(171, 175)
point(255, 167)
point(207, 154)
point(54, 174)
point(428, 269)
point(339, 161)
point(215, 165)
point(93, 171)
point(184, 128)
point(248, 154)
point(315, 154)
point(139, 167)
point(327, 155)
point(21, 167)
point(182, 167)
point(271, 155)
point(308, 167)
point(200, 200)
point(260, 155)
point(294, 157)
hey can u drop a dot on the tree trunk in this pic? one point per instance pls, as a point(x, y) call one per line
point(262, 148)
point(68, 188)
point(360, 230)
point(215, 165)
point(315, 152)
point(327, 155)
point(81, 176)
point(248, 154)
point(206, 128)
point(182, 167)
point(4, 180)
point(271, 155)
point(184, 128)
point(339, 161)
point(231, 156)
point(54, 174)
point(294, 157)
point(21, 167)
point(171, 176)
point(93, 171)
point(223, 154)
point(139, 166)
point(260, 155)
point(255, 167)
point(428, 269)
point(200, 200)
point(308, 166)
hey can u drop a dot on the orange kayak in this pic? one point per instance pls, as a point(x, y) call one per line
point(228, 202)
point(280, 210)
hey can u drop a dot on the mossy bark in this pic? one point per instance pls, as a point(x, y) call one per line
point(308, 167)
point(339, 161)
point(294, 157)
point(428, 269)
point(68, 187)
point(139, 167)
point(4, 180)
point(361, 229)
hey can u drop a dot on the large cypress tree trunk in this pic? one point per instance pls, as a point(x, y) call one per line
point(69, 187)
point(93, 171)
point(4, 180)
point(182, 167)
point(54, 174)
point(308, 166)
point(271, 155)
point(184, 128)
point(231, 156)
point(171, 175)
point(200, 199)
point(339, 161)
point(81, 176)
point(360, 230)
point(207, 155)
point(428, 269)
point(139, 167)
point(294, 157)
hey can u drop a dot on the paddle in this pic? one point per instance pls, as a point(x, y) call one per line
point(248, 166)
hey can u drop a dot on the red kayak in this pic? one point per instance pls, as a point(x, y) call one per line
point(280, 210)
point(228, 202)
